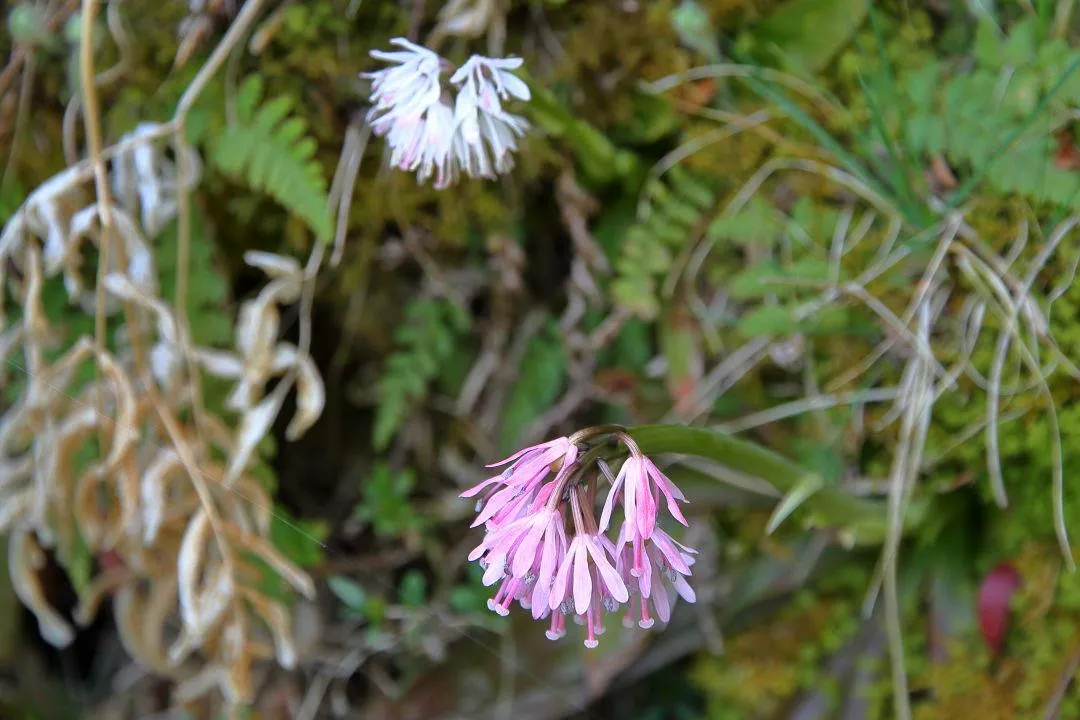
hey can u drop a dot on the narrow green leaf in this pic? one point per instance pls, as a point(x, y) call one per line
point(804, 488)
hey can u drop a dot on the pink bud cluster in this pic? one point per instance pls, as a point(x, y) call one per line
point(547, 551)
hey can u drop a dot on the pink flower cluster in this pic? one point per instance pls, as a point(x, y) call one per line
point(580, 573)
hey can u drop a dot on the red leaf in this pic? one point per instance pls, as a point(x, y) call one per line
point(1067, 157)
point(995, 594)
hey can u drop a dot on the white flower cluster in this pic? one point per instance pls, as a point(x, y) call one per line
point(412, 110)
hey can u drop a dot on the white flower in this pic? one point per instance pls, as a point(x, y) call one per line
point(486, 134)
point(425, 134)
point(403, 93)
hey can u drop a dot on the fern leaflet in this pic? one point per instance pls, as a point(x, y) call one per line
point(269, 150)
point(424, 342)
point(677, 209)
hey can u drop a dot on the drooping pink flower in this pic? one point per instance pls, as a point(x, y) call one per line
point(641, 483)
point(587, 584)
point(663, 559)
point(529, 464)
point(526, 549)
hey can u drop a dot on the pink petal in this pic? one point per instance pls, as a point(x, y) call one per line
point(530, 449)
point(547, 558)
point(645, 580)
point(540, 596)
point(558, 590)
point(631, 487)
point(525, 556)
point(477, 488)
point(611, 578)
point(609, 504)
point(684, 589)
point(582, 577)
point(646, 512)
point(670, 490)
point(662, 603)
point(674, 558)
point(495, 504)
point(494, 572)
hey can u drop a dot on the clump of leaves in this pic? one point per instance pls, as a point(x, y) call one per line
point(998, 120)
point(425, 340)
point(386, 504)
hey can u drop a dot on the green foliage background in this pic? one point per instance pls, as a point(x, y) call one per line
point(912, 86)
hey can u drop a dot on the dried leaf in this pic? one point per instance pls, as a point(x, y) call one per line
point(310, 393)
point(275, 266)
point(254, 426)
point(140, 622)
point(95, 523)
point(24, 558)
point(95, 593)
point(125, 431)
point(152, 493)
point(282, 566)
point(279, 622)
point(193, 551)
point(220, 364)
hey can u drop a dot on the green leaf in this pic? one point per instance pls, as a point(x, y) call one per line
point(988, 45)
point(803, 490)
point(386, 503)
point(540, 379)
point(413, 589)
point(757, 222)
point(863, 520)
point(425, 341)
point(805, 35)
point(769, 321)
point(695, 30)
point(756, 281)
point(1022, 43)
point(263, 149)
point(349, 592)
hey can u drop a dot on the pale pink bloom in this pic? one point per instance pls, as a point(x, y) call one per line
point(526, 550)
point(663, 559)
point(409, 111)
point(590, 559)
point(527, 472)
point(595, 586)
point(486, 136)
point(405, 90)
point(641, 483)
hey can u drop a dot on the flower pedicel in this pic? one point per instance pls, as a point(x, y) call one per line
point(558, 573)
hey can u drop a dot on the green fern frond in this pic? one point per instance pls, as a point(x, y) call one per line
point(674, 209)
point(997, 120)
point(269, 150)
point(425, 340)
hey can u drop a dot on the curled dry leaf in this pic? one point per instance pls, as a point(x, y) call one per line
point(279, 622)
point(142, 498)
point(25, 558)
point(310, 393)
point(192, 558)
point(253, 428)
point(153, 492)
point(86, 225)
point(143, 172)
point(261, 547)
